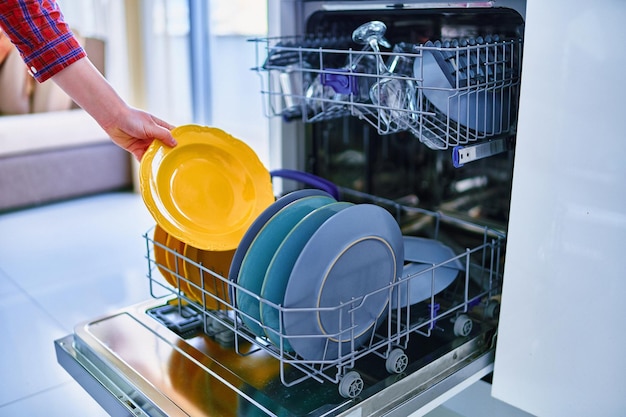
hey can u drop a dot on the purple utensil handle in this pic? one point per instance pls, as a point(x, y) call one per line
point(340, 83)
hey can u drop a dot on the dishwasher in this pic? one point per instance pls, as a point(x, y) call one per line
point(410, 108)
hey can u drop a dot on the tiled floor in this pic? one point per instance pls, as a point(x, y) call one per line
point(59, 265)
point(72, 261)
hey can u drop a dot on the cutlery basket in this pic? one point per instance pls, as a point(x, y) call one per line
point(468, 303)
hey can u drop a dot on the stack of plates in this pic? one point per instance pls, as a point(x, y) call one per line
point(312, 274)
point(164, 248)
point(180, 264)
point(204, 194)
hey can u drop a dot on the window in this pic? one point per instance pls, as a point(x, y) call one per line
point(183, 60)
point(186, 61)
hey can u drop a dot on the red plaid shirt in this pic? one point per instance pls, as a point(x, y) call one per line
point(38, 30)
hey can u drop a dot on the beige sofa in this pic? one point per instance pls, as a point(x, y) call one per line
point(49, 149)
point(53, 156)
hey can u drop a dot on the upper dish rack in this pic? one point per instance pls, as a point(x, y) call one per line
point(204, 290)
point(446, 93)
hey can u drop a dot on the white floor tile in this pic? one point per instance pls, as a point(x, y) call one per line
point(442, 411)
point(7, 286)
point(62, 264)
point(68, 399)
point(27, 356)
point(79, 300)
point(83, 238)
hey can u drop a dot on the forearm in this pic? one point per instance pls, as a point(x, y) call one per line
point(38, 30)
point(48, 47)
point(92, 92)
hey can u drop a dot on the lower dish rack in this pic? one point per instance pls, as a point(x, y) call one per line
point(429, 296)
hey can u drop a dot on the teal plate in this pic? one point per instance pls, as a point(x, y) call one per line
point(278, 273)
point(259, 254)
point(256, 227)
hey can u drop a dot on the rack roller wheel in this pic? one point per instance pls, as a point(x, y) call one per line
point(492, 310)
point(462, 325)
point(351, 385)
point(396, 361)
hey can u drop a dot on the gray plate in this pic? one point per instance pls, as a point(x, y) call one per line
point(357, 252)
point(479, 110)
point(423, 254)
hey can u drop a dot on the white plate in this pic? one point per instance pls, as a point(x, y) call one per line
point(357, 252)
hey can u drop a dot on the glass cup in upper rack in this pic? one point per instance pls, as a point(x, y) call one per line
point(338, 92)
point(395, 94)
point(365, 86)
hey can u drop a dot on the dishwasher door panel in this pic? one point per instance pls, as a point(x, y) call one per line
point(133, 365)
point(560, 344)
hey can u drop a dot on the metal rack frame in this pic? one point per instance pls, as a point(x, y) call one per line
point(457, 93)
point(479, 283)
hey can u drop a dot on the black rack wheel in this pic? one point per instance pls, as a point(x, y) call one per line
point(351, 385)
point(397, 361)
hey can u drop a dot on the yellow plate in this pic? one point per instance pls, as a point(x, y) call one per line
point(175, 262)
point(168, 263)
point(216, 261)
point(207, 190)
point(160, 254)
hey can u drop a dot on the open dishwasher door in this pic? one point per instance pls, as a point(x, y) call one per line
point(134, 366)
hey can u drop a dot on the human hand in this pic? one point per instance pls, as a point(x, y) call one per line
point(134, 130)
point(130, 128)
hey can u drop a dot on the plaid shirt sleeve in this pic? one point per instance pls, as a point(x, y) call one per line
point(38, 30)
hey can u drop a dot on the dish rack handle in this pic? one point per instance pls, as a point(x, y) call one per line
point(308, 179)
